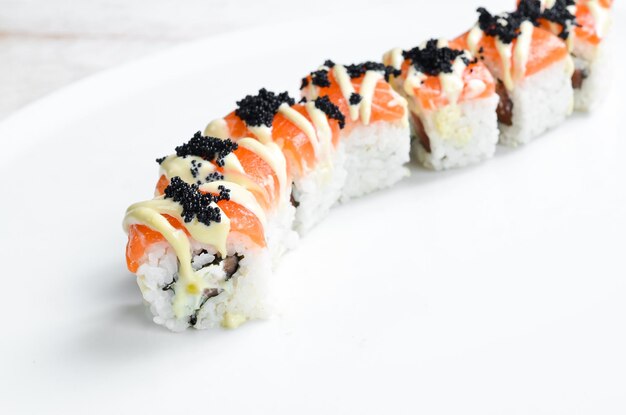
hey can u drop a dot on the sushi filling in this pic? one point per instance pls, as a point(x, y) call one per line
point(505, 105)
point(213, 268)
point(229, 297)
point(420, 132)
point(578, 78)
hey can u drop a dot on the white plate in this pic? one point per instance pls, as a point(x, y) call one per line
point(498, 289)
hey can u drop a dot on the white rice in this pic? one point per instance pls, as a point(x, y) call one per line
point(459, 135)
point(369, 158)
point(540, 102)
point(376, 155)
point(319, 190)
point(243, 297)
point(279, 231)
point(595, 60)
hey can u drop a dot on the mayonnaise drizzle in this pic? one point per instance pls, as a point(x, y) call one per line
point(522, 49)
point(555, 28)
point(217, 128)
point(272, 155)
point(264, 147)
point(262, 132)
point(231, 162)
point(303, 124)
point(505, 52)
point(174, 166)
point(394, 58)
point(473, 39)
point(322, 127)
point(452, 83)
point(346, 87)
point(414, 79)
point(368, 87)
point(189, 286)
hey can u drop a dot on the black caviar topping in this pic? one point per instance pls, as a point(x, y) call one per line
point(328, 63)
point(195, 168)
point(558, 13)
point(305, 83)
point(433, 60)
point(207, 148)
point(303, 100)
point(160, 160)
point(504, 26)
point(331, 110)
point(355, 98)
point(530, 10)
point(260, 109)
point(213, 177)
point(207, 294)
point(320, 78)
point(194, 203)
point(358, 69)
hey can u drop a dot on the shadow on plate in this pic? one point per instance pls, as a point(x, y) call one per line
point(118, 327)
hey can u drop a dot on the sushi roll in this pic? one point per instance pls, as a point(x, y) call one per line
point(307, 133)
point(202, 249)
point(376, 136)
point(338, 144)
point(453, 103)
point(584, 25)
point(533, 70)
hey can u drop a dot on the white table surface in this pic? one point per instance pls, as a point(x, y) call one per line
point(47, 44)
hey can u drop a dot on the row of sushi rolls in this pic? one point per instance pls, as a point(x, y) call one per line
point(233, 199)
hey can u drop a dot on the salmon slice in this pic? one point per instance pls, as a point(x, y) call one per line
point(295, 144)
point(237, 128)
point(385, 105)
point(264, 198)
point(161, 185)
point(430, 93)
point(545, 50)
point(260, 172)
point(242, 221)
point(293, 141)
point(258, 177)
point(140, 237)
point(586, 29)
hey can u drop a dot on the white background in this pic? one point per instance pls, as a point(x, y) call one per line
point(46, 44)
point(497, 289)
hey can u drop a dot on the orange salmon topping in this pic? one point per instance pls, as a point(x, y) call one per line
point(545, 50)
point(430, 94)
point(140, 237)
